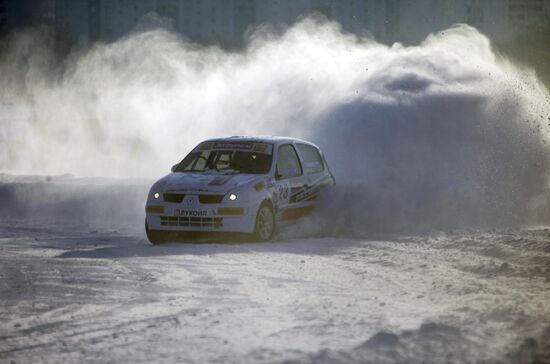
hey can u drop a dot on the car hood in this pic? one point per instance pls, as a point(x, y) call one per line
point(217, 182)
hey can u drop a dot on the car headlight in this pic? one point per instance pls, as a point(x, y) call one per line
point(156, 190)
point(239, 194)
point(236, 196)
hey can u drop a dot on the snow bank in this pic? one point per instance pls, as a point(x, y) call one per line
point(86, 202)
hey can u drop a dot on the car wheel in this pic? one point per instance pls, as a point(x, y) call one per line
point(265, 223)
point(155, 237)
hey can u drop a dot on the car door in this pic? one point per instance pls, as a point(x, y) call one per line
point(315, 170)
point(290, 181)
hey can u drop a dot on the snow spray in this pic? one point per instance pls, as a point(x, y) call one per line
point(445, 133)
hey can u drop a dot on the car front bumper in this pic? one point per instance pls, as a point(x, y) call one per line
point(221, 217)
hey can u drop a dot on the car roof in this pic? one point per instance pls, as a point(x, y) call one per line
point(277, 140)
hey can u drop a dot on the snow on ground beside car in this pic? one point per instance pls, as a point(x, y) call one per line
point(95, 202)
point(79, 291)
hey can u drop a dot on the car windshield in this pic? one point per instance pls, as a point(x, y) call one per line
point(229, 158)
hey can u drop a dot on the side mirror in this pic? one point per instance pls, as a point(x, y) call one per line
point(173, 169)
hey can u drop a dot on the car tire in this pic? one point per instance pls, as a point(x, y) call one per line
point(155, 237)
point(264, 227)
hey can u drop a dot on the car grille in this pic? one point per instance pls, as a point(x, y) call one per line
point(210, 198)
point(215, 222)
point(174, 197)
point(178, 198)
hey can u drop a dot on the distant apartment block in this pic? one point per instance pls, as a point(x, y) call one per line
point(24, 13)
point(527, 12)
point(227, 22)
point(3, 16)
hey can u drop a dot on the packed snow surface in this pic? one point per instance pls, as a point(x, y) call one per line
point(79, 290)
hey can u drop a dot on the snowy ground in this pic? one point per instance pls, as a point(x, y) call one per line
point(84, 292)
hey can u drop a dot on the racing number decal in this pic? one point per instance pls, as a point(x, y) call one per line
point(283, 192)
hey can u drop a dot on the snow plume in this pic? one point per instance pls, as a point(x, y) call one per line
point(442, 134)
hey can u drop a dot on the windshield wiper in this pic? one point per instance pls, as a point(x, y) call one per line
point(230, 171)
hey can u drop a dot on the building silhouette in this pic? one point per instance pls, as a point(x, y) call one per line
point(227, 22)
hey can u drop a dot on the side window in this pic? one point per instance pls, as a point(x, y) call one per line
point(313, 163)
point(288, 164)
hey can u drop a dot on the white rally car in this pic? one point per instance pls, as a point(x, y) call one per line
point(237, 184)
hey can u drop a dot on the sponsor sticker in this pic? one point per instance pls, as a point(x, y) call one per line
point(191, 213)
point(260, 147)
point(233, 146)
